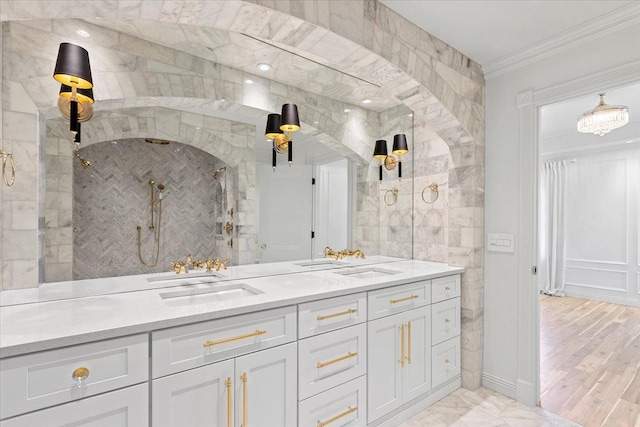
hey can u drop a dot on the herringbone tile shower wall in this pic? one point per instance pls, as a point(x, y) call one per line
point(113, 197)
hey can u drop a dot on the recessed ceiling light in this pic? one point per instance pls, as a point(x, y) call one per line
point(631, 141)
point(264, 67)
point(83, 33)
point(249, 81)
point(410, 114)
point(366, 101)
point(347, 110)
point(315, 123)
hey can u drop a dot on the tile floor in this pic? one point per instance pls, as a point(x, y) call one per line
point(483, 407)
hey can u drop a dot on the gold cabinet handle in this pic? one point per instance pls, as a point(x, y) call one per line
point(395, 301)
point(402, 346)
point(244, 399)
point(80, 374)
point(337, 417)
point(210, 343)
point(229, 404)
point(409, 342)
point(339, 359)
point(342, 313)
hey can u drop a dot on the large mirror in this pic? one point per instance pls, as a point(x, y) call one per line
point(176, 148)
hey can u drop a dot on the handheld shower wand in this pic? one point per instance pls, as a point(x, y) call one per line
point(154, 201)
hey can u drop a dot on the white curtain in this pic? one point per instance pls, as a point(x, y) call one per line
point(552, 227)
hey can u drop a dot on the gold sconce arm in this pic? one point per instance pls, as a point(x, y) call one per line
point(8, 158)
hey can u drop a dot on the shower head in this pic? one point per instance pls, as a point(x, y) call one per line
point(216, 173)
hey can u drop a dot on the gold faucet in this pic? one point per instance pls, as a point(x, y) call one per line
point(330, 253)
point(180, 267)
point(215, 263)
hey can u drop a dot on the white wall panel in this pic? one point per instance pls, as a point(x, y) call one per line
point(597, 220)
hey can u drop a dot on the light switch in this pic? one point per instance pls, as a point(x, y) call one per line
point(500, 242)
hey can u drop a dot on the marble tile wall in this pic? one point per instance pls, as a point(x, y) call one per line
point(441, 86)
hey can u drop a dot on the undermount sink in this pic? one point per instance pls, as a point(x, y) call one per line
point(204, 293)
point(367, 273)
point(322, 263)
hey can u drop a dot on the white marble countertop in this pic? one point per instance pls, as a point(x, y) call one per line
point(37, 325)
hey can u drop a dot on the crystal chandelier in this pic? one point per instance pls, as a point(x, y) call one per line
point(603, 118)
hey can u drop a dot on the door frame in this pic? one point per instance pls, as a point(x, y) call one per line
point(528, 104)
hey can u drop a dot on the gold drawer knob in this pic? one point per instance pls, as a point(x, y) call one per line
point(447, 288)
point(447, 361)
point(80, 374)
point(446, 320)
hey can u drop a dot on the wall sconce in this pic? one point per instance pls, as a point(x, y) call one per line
point(73, 70)
point(84, 106)
point(280, 128)
point(400, 148)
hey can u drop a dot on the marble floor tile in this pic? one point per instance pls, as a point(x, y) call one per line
point(483, 407)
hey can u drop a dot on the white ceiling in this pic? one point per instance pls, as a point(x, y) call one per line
point(488, 30)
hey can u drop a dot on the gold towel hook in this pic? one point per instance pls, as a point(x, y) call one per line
point(432, 187)
point(394, 198)
point(8, 157)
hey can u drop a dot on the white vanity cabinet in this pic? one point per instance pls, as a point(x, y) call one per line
point(399, 360)
point(246, 372)
point(121, 408)
point(245, 391)
point(69, 377)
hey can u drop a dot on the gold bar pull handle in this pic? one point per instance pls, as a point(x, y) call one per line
point(229, 404)
point(339, 359)
point(337, 417)
point(395, 301)
point(402, 346)
point(409, 341)
point(342, 313)
point(244, 399)
point(210, 343)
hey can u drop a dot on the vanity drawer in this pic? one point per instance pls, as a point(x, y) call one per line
point(445, 320)
point(327, 360)
point(39, 380)
point(340, 406)
point(190, 346)
point(120, 408)
point(444, 288)
point(445, 361)
point(332, 313)
point(396, 299)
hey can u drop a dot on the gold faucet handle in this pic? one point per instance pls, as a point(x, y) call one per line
point(222, 264)
point(179, 267)
point(189, 260)
point(330, 253)
point(199, 265)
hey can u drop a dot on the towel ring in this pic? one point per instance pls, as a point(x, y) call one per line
point(432, 187)
point(394, 193)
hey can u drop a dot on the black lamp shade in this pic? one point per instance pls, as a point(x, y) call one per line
point(380, 151)
point(290, 122)
point(72, 66)
point(400, 144)
point(85, 96)
point(273, 126)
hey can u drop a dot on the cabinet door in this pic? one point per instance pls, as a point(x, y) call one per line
point(384, 341)
point(199, 397)
point(121, 408)
point(417, 368)
point(266, 388)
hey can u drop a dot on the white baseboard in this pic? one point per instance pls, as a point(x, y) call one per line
point(525, 393)
point(499, 385)
point(577, 291)
point(416, 406)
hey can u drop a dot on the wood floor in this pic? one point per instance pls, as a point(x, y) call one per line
point(590, 361)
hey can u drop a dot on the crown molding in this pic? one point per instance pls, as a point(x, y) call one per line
point(606, 24)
